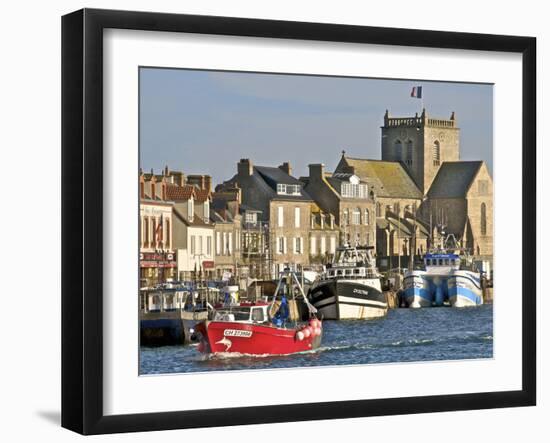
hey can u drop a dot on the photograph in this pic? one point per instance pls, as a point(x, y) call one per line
point(290, 221)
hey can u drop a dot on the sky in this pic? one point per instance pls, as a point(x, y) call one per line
point(203, 122)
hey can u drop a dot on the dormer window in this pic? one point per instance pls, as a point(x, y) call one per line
point(190, 209)
point(284, 189)
point(353, 188)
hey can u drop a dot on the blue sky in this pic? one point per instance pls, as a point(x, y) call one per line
point(205, 121)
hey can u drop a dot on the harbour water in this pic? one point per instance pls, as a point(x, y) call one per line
point(405, 335)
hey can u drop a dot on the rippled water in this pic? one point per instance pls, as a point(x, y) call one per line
point(404, 335)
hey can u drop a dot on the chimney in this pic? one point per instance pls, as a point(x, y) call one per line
point(244, 167)
point(286, 168)
point(317, 171)
point(208, 183)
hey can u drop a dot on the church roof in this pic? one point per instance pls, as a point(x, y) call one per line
point(454, 179)
point(388, 179)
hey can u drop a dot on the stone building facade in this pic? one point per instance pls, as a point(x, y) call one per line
point(460, 201)
point(281, 205)
point(345, 197)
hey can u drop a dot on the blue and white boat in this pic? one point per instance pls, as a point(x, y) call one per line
point(442, 282)
point(464, 288)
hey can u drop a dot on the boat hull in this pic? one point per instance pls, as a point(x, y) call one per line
point(418, 293)
point(253, 339)
point(348, 299)
point(465, 289)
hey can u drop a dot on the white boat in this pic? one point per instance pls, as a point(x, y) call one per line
point(350, 287)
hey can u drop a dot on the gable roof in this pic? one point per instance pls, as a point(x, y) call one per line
point(266, 178)
point(388, 179)
point(175, 192)
point(454, 179)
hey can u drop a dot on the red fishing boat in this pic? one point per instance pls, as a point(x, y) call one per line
point(250, 329)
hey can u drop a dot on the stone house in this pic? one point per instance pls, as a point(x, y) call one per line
point(225, 215)
point(346, 198)
point(283, 207)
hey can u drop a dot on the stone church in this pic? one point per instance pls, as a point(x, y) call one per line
point(421, 186)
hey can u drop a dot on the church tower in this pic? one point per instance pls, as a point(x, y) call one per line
point(421, 143)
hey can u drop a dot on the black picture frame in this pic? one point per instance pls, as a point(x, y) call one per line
point(82, 216)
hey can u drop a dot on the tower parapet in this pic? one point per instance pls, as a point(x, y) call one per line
point(421, 143)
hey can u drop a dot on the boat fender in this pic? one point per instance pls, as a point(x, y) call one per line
point(306, 331)
point(300, 335)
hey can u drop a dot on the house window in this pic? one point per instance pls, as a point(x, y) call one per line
point(354, 190)
point(193, 245)
point(251, 217)
point(298, 245)
point(323, 246)
point(280, 216)
point(409, 160)
point(200, 245)
point(366, 220)
point(225, 247)
point(288, 189)
point(436, 153)
point(146, 229)
point(237, 240)
point(483, 219)
point(190, 209)
point(168, 232)
point(356, 217)
point(209, 246)
point(154, 237)
point(218, 243)
point(230, 243)
point(346, 217)
point(281, 245)
point(313, 245)
point(297, 217)
point(332, 245)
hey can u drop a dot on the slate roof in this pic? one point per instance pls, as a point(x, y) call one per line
point(266, 178)
point(388, 179)
point(454, 179)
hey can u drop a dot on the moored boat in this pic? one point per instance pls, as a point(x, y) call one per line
point(442, 282)
point(350, 287)
point(261, 328)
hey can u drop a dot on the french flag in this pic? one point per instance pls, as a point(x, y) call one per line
point(416, 91)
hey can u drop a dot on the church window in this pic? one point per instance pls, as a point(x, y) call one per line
point(409, 160)
point(398, 151)
point(483, 221)
point(436, 153)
